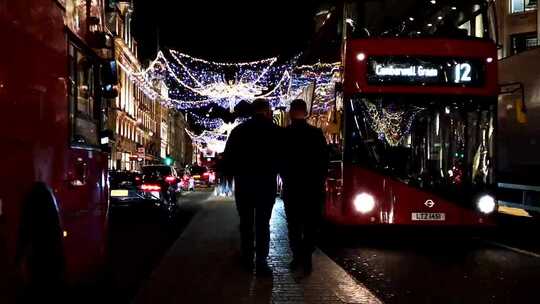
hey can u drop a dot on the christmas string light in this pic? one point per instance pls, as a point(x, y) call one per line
point(206, 122)
point(216, 139)
point(193, 82)
point(145, 87)
point(223, 63)
point(252, 80)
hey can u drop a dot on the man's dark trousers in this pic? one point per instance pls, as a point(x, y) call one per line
point(303, 210)
point(254, 204)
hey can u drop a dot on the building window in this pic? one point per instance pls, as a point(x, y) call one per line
point(523, 42)
point(479, 26)
point(520, 6)
point(84, 98)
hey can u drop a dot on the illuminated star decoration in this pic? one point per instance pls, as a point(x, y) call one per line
point(184, 82)
point(195, 83)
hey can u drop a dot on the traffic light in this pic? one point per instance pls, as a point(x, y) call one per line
point(168, 160)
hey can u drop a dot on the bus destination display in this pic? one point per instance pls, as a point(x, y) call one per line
point(440, 71)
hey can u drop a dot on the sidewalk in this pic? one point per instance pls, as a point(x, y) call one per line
point(203, 267)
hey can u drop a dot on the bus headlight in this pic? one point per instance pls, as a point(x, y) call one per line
point(486, 204)
point(364, 202)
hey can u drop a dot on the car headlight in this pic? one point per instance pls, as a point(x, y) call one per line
point(486, 204)
point(364, 202)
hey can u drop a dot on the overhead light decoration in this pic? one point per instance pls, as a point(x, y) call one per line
point(214, 140)
point(205, 122)
point(323, 76)
point(197, 82)
point(183, 82)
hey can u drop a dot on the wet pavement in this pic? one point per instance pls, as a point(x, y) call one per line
point(399, 268)
point(203, 267)
point(194, 258)
point(139, 238)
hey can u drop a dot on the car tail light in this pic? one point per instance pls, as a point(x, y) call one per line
point(206, 174)
point(137, 178)
point(150, 187)
point(170, 179)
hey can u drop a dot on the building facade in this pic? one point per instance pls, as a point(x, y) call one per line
point(142, 125)
point(519, 102)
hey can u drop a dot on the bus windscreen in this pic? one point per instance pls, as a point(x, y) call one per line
point(440, 143)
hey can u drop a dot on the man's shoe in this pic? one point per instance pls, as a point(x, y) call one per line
point(263, 270)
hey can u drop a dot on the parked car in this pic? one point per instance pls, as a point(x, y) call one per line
point(187, 183)
point(202, 176)
point(161, 183)
point(125, 189)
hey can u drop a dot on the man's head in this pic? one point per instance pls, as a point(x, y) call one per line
point(261, 108)
point(298, 110)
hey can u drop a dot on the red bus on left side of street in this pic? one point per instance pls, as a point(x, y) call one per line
point(55, 79)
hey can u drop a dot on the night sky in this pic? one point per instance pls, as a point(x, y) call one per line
point(225, 30)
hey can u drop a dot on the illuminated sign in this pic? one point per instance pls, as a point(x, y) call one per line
point(413, 71)
point(406, 70)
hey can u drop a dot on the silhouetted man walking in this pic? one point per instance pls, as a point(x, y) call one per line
point(304, 172)
point(251, 157)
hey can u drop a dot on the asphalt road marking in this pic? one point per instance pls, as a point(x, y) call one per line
point(525, 252)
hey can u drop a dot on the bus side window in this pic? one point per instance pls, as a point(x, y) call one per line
point(84, 103)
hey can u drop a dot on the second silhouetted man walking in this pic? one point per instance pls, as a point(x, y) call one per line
point(304, 170)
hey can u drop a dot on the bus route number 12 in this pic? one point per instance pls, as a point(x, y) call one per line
point(462, 73)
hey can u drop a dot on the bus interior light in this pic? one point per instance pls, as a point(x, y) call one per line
point(486, 204)
point(364, 202)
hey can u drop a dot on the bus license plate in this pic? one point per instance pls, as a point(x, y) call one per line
point(119, 193)
point(426, 216)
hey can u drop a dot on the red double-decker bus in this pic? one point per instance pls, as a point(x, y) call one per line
point(54, 81)
point(419, 107)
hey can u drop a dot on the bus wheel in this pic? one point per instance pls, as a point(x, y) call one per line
point(40, 258)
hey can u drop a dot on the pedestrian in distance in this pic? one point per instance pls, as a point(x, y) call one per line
point(304, 171)
point(251, 157)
